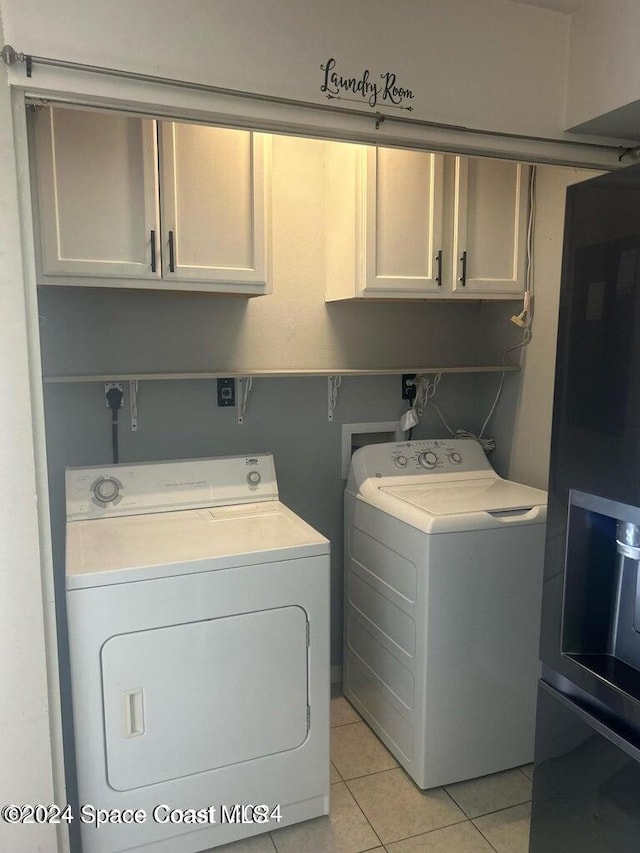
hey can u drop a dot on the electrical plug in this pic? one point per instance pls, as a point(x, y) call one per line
point(523, 319)
point(408, 420)
point(113, 395)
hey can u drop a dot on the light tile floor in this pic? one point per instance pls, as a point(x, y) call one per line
point(376, 807)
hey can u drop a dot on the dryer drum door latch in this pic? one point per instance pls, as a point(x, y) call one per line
point(132, 712)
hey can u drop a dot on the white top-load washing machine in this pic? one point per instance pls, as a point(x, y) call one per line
point(443, 584)
point(198, 611)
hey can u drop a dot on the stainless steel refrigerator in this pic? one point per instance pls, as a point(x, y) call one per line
point(586, 794)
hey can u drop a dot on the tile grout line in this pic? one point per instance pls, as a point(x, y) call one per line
point(374, 773)
point(368, 822)
point(490, 813)
point(455, 803)
point(484, 836)
point(331, 764)
point(493, 811)
point(350, 723)
point(503, 809)
point(394, 766)
point(347, 723)
point(429, 831)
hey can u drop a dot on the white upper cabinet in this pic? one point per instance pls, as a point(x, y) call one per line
point(489, 226)
point(384, 222)
point(151, 205)
point(214, 197)
point(97, 187)
point(403, 231)
point(416, 225)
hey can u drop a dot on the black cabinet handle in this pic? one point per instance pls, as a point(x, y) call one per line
point(172, 253)
point(154, 266)
point(463, 277)
point(439, 262)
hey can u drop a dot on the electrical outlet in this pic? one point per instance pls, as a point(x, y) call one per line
point(226, 392)
point(108, 386)
point(408, 386)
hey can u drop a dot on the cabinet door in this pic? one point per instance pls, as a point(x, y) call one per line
point(215, 207)
point(96, 180)
point(403, 230)
point(490, 226)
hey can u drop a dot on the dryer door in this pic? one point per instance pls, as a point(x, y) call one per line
point(188, 698)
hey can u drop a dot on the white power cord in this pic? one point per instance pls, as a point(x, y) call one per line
point(425, 390)
point(488, 444)
point(525, 340)
point(523, 319)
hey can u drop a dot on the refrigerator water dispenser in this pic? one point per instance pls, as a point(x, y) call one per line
point(601, 612)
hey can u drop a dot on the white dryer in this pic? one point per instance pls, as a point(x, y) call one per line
point(443, 584)
point(198, 611)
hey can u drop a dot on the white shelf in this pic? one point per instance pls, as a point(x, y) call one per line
point(275, 373)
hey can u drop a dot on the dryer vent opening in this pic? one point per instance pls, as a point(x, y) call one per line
point(355, 436)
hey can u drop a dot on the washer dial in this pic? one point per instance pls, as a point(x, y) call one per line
point(253, 478)
point(401, 461)
point(455, 457)
point(428, 459)
point(106, 490)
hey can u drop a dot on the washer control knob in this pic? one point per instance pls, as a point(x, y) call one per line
point(401, 461)
point(455, 457)
point(253, 478)
point(106, 490)
point(428, 459)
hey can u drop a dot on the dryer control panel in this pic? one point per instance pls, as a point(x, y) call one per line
point(115, 490)
point(417, 458)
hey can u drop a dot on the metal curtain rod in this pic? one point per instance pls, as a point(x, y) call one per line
point(12, 57)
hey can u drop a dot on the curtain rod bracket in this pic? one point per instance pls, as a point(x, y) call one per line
point(632, 153)
point(379, 119)
point(10, 55)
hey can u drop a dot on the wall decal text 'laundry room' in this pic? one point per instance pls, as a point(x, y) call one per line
point(366, 88)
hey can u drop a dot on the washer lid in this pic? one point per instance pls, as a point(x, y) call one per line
point(489, 494)
point(143, 547)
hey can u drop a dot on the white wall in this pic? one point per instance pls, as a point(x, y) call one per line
point(25, 749)
point(604, 63)
point(492, 64)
